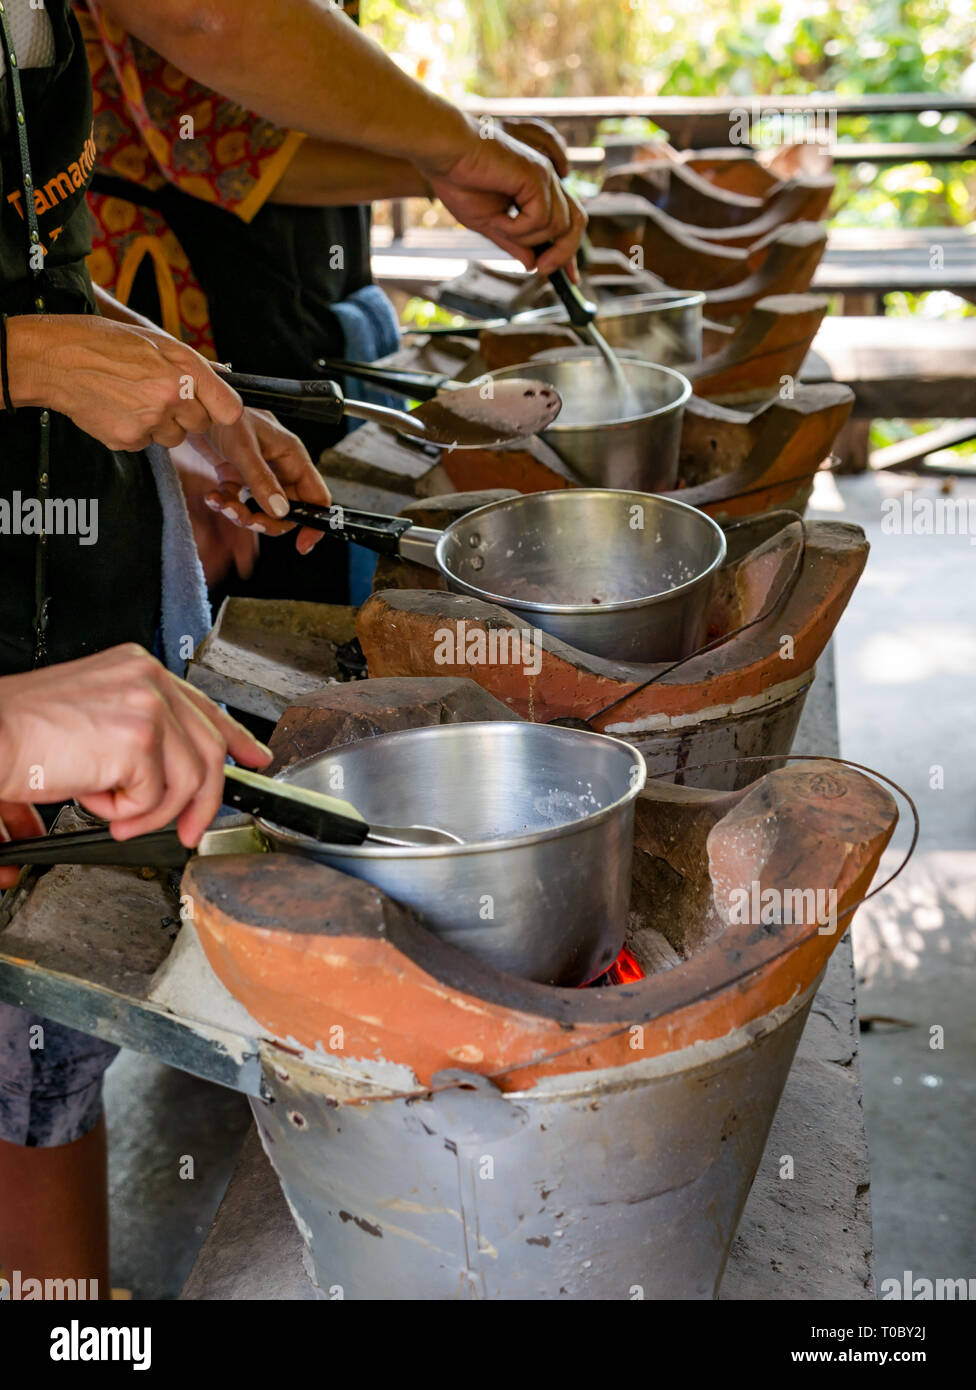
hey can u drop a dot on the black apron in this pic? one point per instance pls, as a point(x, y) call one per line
point(59, 598)
point(270, 286)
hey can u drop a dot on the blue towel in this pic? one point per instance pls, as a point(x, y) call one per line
point(370, 329)
point(186, 615)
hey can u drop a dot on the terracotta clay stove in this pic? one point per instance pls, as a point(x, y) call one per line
point(742, 698)
point(442, 1130)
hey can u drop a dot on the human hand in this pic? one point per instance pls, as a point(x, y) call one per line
point(496, 174)
point(542, 137)
point(222, 545)
point(128, 385)
point(134, 744)
point(257, 455)
point(18, 821)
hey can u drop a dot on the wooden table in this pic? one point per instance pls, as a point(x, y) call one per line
point(913, 368)
point(702, 122)
point(861, 261)
point(868, 261)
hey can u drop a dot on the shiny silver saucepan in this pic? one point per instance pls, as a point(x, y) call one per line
point(541, 885)
point(615, 429)
point(624, 575)
point(662, 326)
point(614, 438)
point(659, 325)
point(535, 880)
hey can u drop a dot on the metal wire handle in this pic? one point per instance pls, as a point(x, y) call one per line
point(780, 599)
point(590, 1041)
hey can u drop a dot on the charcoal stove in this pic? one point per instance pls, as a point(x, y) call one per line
point(442, 1130)
point(741, 698)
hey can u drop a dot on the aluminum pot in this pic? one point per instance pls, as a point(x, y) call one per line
point(634, 572)
point(662, 326)
point(541, 886)
point(626, 575)
point(609, 443)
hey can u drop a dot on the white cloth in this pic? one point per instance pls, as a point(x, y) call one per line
point(186, 614)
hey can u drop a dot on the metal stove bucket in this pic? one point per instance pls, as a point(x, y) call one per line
point(620, 1184)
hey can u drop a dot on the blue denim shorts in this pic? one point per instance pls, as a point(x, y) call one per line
point(50, 1079)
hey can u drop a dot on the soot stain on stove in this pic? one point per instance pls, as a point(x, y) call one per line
point(362, 1223)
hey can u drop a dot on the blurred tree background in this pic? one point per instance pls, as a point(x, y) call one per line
point(566, 48)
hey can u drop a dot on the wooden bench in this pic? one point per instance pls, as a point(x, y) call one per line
point(917, 369)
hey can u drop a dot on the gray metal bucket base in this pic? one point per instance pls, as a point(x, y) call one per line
point(620, 1184)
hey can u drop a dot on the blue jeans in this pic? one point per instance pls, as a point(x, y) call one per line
point(50, 1079)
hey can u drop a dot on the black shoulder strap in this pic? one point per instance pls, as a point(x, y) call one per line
point(35, 258)
point(35, 262)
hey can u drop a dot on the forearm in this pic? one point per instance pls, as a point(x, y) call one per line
point(305, 66)
point(111, 308)
point(330, 175)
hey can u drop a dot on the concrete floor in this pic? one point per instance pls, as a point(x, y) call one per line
point(159, 1118)
point(906, 663)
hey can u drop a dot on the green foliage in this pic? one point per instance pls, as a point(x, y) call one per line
point(424, 313)
point(555, 48)
point(705, 47)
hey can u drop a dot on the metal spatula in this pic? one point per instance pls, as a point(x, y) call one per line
point(465, 417)
point(323, 817)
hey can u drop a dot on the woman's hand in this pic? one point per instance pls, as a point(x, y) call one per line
point(496, 174)
point(257, 455)
point(134, 744)
point(223, 546)
point(128, 385)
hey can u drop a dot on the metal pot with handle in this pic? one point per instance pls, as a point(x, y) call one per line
point(540, 886)
point(514, 844)
point(624, 575)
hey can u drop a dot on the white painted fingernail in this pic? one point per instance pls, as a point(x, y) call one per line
point(213, 504)
point(244, 494)
point(278, 503)
point(256, 526)
point(229, 513)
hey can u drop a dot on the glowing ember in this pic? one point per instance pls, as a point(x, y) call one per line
point(624, 971)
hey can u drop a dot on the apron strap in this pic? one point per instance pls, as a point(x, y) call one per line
point(35, 264)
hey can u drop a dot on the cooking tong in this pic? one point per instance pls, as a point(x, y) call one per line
point(311, 813)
